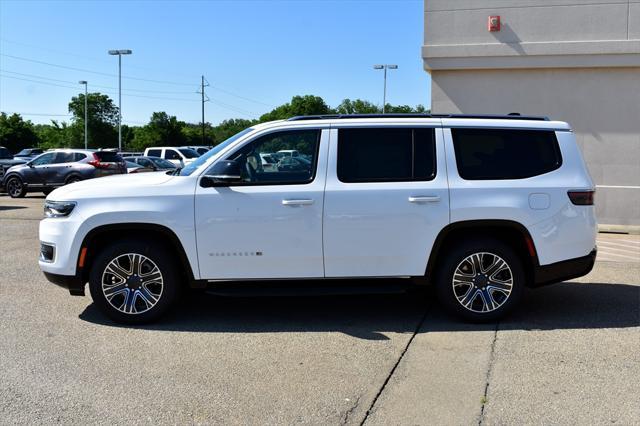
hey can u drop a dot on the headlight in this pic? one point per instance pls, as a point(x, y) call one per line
point(58, 208)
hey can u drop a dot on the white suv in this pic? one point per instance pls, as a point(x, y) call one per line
point(479, 206)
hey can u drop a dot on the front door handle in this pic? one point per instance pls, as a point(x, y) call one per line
point(424, 198)
point(302, 202)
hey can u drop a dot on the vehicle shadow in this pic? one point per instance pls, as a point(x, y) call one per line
point(562, 306)
point(12, 208)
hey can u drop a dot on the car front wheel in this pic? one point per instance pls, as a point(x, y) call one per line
point(134, 282)
point(15, 187)
point(481, 280)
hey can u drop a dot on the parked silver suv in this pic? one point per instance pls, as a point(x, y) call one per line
point(60, 167)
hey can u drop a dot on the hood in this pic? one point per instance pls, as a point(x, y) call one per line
point(110, 186)
point(12, 161)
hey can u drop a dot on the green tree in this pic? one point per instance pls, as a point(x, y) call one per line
point(230, 127)
point(103, 121)
point(163, 130)
point(54, 135)
point(193, 134)
point(16, 133)
point(358, 106)
point(299, 105)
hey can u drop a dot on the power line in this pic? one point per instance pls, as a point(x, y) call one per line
point(93, 72)
point(221, 104)
point(93, 85)
point(41, 114)
point(228, 92)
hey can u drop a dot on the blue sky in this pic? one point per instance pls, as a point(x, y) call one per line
point(255, 54)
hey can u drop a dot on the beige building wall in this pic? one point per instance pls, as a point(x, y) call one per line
point(577, 61)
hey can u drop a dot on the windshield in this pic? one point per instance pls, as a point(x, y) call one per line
point(4, 153)
point(161, 162)
point(212, 152)
point(189, 153)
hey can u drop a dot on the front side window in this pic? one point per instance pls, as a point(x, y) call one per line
point(386, 154)
point(170, 154)
point(485, 154)
point(287, 170)
point(44, 159)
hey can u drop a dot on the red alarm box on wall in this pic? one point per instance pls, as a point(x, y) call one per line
point(493, 24)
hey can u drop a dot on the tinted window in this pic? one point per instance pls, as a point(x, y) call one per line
point(108, 157)
point(386, 154)
point(4, 153)
point(144, 162)
point(154, 153)
point(189, 153)
point(287, 170)
point(63, 157)
point(159, 162)
point(43, 159)
point(483, 154)
point(78, 156)
point(170, 154)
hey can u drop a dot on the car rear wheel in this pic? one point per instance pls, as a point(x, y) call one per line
point(134, 282)
point(480, 280)
point(73, 179)
point(15, 187)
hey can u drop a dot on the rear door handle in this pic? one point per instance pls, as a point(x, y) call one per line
point(424, 199)
point(302, 202)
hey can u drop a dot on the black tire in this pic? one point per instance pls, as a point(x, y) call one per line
point(72, 179)
point(15, 187)
point(116, 306)
point(492, 286)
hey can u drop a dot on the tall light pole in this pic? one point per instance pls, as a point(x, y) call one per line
point(384, 95)
point(120, 53)
point(86, 114)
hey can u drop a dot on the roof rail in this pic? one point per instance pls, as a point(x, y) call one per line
point(510, 116)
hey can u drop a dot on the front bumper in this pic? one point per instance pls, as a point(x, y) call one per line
point(565, 270)
point(74, 284)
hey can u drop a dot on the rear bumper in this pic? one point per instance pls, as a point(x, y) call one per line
point(72, 283)
point(565, 270)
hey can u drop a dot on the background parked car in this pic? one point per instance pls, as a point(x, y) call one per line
point(154, 163)
point(29, 153)
point(200, 149)
point(136, 168)
point(177, 155)
point(60, 167)
point(7, 161)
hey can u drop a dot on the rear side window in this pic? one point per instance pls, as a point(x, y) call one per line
point(78, 156)
point(154, 153)
point(108, 157)
point(63, 157)
point(386, 154)
point(486, 154)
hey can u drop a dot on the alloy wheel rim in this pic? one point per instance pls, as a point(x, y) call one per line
point(132, 283)
point(15, 187)
point(482, 282)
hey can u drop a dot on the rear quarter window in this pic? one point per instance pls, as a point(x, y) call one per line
point(154, 153)
point(108, 157)
point(499, 154)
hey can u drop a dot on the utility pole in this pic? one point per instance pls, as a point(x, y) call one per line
point(86, 114)
point(120, 53)
point(202, 86)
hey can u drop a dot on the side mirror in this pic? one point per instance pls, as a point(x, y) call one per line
point(223, 173)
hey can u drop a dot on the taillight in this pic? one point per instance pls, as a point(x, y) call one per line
point(97, 164)
point(581, 198)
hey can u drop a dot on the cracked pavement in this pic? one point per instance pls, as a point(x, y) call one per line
point(568, 355)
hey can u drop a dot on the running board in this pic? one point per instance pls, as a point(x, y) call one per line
point(304, 288)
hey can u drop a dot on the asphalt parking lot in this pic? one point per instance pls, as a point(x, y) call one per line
point(570, 355)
